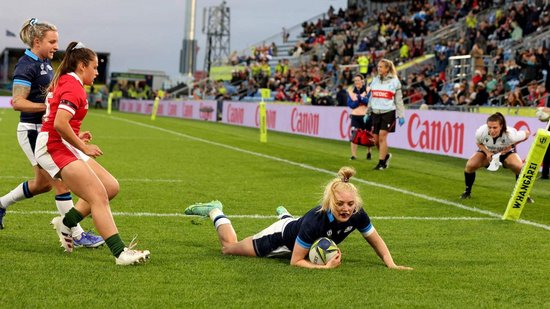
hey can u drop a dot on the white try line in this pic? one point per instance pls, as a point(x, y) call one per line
point(119, 179)
point(320, 170)
point(153, 214)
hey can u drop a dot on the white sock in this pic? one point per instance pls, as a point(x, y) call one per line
point(16, 195)
point(217, 216)
point(214, 213)
point(64, 203)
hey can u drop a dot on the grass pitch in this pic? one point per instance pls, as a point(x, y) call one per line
point(463, 254)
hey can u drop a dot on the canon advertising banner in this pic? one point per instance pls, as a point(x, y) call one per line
point(200, 110)
point(439, 132)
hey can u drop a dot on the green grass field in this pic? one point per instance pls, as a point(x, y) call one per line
point(464, 255)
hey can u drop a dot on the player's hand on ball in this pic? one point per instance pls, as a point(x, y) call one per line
point(335, 261)
point(92, 151)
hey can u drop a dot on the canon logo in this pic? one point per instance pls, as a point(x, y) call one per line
point(188, 111)
point(271, 117)
point(235, 114)
point(306, 123)
point(172, 109)
point(435, 135)
point(345, 125)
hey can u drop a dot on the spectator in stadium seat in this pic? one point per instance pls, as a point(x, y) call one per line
point(197, 93)
point(346, 77)
point(446, 101)
point(385, 107)
point(340, 212)
point(490, 83)
point(477, 55)
point(341, 95)
point(347, 53)
point(514, 98)
point(358, 101)
point(64, 152)
point(363, 62)
point(482, 97)
point(363, 45)
point(430, 88)
point(530, 68)
point(494, 138)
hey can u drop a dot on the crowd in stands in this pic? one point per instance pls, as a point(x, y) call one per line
point(347, 42)
point(516, 77)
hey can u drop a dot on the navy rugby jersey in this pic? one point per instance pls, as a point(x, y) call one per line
point(315, 224)
point(33, 72)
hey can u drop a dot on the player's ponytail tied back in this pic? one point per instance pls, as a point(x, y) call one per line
point(34, 29)
point(75, 53)
point(340, 184)
point(345, 173)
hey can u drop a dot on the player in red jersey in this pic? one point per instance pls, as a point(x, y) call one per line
point(64, 152)
point(32, 75)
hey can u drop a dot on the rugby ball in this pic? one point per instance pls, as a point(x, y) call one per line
point(322, 250)
point(541, 115)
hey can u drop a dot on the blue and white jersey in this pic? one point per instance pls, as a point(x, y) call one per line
point(316, 224)
point(35, 73)
point(386, 95)
point(511, 137)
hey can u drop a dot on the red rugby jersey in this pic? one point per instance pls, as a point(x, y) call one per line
point(70, 96)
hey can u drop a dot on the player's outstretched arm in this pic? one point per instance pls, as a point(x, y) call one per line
point(299, 258)
point(379, 246)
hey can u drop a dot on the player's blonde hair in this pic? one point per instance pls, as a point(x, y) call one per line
point(389, 64)
point(75, 53)
point(33, 29)
point(339, 184)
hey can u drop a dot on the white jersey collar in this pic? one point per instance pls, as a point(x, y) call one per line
point(73, 74)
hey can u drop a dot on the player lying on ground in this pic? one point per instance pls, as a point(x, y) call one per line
point(338, 215)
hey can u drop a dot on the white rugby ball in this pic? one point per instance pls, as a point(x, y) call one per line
point(322, 250)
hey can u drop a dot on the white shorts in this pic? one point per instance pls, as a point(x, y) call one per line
point(54, 157)
point(26, 135)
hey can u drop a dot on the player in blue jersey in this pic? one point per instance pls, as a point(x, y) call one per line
point(32, 76)
point(339, 214)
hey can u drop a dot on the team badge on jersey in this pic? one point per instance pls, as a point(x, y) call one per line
point(42, 70)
